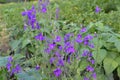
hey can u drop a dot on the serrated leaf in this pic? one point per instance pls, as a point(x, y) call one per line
point(109, 65)
point(99, 55)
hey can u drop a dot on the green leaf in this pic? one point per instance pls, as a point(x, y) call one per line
point(117, 44)
point(3, 74)
point(25, 42)
point(98, 43)
point(112, 39)
point(14, 44)
point(118, 71)
point(118, 60)
point(82, 65)
point(3, 61)
point(29, 75)
point(109, 65)
point(99, 55)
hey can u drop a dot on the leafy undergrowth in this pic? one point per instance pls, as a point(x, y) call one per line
point(51, 41)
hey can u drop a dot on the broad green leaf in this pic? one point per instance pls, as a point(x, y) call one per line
point(112, 54)
point(118, 60)
point(101, 77)
point(98, 43)
point(25, 42)
point(109, 65)
point(3, 61)
point(118, 71)
point(15, 43)
point(117, 44)
point(100, 26)
point(99, 55)
point(82, 65)
point(112, 39)
point(29, 75)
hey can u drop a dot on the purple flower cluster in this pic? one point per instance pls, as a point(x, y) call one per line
point(9, 64)
point(55, 48)
point(89, 56)
point(42, 6)
point(32, 21)
point(17, 69)
point(12, 71)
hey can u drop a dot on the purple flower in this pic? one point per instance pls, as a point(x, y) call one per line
point(24, 13)
point(37, 26)
point(60, 62)
point(90, 54)
point(57, 72)
point(51, 46)
point(79, 38)
point(13, 71)
point(31, 15)
point(91, 45)
point(8, 66)
point(57, 39)
point(85, 78)
point(47, 50)
point(89, 68)
point(10, 59)
point(60, 47)
point(88, 37)
point(37, 67)
point(52, 60)
point(83, 30)
point(97, 9)
point(92, 61)
point(67, 36)
point(85, 53)
point(44, 8)
point(70, 50)
point(86, 42)
point(39, 37)
point(57, 54)
point(94, 76)
point(17, 69)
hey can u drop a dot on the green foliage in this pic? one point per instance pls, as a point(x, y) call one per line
point(3, 61)
point(29, 52)
point(3, 74)
point(109, 65)
point(31, 74)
